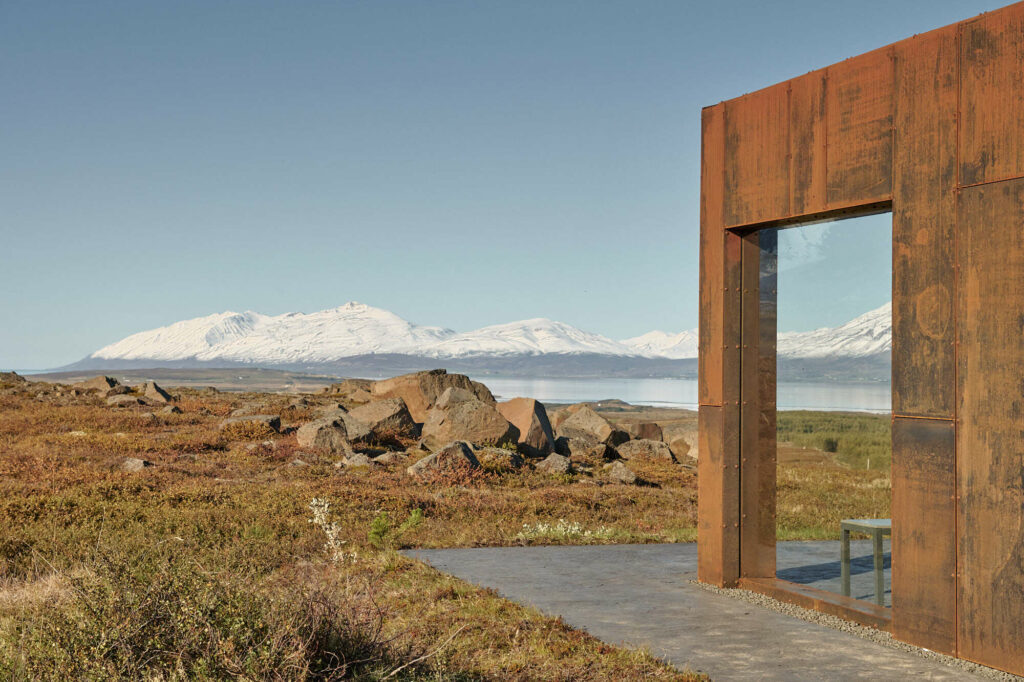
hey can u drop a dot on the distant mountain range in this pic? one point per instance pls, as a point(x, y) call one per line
point(359, 339)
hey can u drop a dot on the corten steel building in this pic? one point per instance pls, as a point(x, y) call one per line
point(931, 128)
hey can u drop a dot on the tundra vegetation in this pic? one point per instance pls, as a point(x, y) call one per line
point(173, 538)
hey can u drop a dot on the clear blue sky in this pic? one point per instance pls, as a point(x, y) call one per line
point(458, 163)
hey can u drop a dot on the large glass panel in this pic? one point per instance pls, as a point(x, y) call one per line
point(833, 347)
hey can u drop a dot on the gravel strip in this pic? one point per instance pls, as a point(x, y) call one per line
point(836, 623)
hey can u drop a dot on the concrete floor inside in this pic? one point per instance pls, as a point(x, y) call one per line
point(643, 596)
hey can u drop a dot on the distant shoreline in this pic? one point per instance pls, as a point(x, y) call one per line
point(653, 392)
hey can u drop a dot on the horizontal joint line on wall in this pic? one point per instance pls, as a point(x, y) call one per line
point(988, 182)
point(911, 416)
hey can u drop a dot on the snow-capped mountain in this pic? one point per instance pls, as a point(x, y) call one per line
point(869, 334)
point(348, 330)
point(355, 330)
point(528, 337)
point(664, 345)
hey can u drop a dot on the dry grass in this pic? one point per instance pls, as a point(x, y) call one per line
point(219, 527)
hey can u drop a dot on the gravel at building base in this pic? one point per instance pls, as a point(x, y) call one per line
point(836, 623)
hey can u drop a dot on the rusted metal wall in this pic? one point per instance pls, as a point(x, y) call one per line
point(990, 421)
point(932, 127)
point(923, 378)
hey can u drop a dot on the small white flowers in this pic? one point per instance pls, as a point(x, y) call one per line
point(564, 530)
point(321, 509)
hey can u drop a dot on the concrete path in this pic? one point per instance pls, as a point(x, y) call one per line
point(640, 595)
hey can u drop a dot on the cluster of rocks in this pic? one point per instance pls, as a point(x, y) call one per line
point(119, 395)
point(459, 423)
point(433, 420)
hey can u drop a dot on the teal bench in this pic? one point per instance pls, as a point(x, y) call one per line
point(876, 528)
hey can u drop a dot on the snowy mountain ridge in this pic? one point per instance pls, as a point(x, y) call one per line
point(356, 329)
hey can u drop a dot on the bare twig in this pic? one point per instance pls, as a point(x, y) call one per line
point(424, 656)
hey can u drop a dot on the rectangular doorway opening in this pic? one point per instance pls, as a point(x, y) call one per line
point(825, 335)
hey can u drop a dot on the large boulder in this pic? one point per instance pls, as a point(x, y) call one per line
point(529, 416)
point(325, 434)
point(454, 395)
point(387, 418)
point(452, 456)
point(620, 473)
point(100, 383)
point(588, 426)
point(572, 447)
point(105, 387)
point(154, 393)
point(558, 416)
point(683, 442)
point(649, 431)
point(473, 421)
point(651, 449)
point(421, 390)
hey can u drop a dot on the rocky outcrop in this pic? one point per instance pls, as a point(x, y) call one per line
point(452, 456)
point(421, 390)
point(171, 409)
point(473, 421)
point(155, 394)
point(651, 449)
point(531, 418)
point(388, 418)
point(590, 427)
point(327, 434)
point(555, 464)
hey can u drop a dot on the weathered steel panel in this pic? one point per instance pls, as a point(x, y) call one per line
point(990, 424)
point(757, 156)
point(914, 124)
point(807, 144)
point(712, 253)
point(757, 407)
point(992, 97)
point(924, 216)
point(718, 477)
point(858, 115)
point(923, 533)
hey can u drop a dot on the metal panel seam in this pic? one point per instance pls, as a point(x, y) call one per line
point(956, 345)
point(986, 182)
